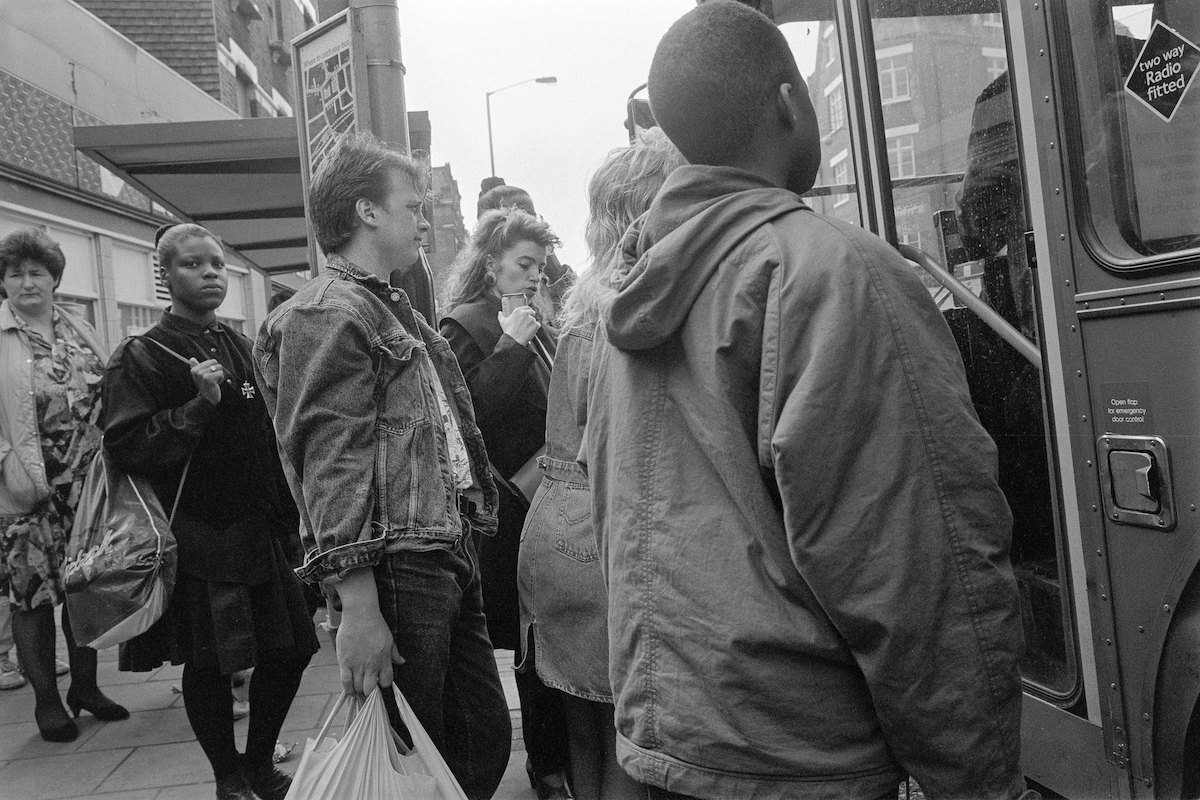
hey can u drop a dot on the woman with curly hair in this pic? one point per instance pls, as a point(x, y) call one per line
point(505, 355)
point(51, 363)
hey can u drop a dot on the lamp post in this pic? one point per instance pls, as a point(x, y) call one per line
point(488, 98)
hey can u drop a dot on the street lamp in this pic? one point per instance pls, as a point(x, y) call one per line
point(488, 97)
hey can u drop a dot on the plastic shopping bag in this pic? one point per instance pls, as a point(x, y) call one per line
point(120, 563)
point(371, 761)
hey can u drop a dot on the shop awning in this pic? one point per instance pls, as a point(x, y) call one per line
point(239, 178)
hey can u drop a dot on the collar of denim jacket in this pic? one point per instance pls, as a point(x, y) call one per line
point(344, 266)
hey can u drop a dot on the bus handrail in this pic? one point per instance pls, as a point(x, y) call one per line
point(999, 325)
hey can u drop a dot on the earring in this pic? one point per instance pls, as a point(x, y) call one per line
point(489, 278)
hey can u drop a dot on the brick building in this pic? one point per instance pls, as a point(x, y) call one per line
point(65, 64)
point(238, 52)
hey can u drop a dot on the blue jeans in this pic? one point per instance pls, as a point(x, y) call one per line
point(433, 604)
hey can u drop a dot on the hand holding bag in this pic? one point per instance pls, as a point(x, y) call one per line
point(370, 760)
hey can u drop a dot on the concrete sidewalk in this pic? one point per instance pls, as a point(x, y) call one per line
point(152, 755)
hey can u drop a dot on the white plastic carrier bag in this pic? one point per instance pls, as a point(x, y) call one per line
point(371, 761)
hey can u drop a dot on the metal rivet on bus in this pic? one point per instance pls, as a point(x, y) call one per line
point(1166, 609)
point(1108, 642)
point(1072, 329)
point(1146, 781)
point(1062, 237)
point(1104, 597)
point(1046, 99)
point(1078, 373)
point(1089, 462)
point(1161, 522)
point(1146, 718)
point(1057, 190)
point(1122, 301)
point(1141, 629)
point(1193, 506)
point(1096, 509)
point(1115, 515)
point(1162, 295)
point(1042, 51)
point(1099, 553)
point(1112, 686)
point(1052, 145)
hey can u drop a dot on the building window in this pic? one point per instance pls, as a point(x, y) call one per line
point(837, 108)
point(902, 157)
point(910, 238)
point(893, 79)
point(829, 42)
point(247, 99)
point(987, 20)
point(137, 319)
point(841, 177)
point(995, 61)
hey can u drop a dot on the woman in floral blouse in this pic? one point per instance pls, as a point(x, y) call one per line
point(50, 368)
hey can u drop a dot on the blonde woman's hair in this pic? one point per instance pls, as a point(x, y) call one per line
point(619, 192)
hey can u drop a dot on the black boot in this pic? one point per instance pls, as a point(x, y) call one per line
point(267, 781)
point(33, 633)
point(84, 693)
point(234, 787)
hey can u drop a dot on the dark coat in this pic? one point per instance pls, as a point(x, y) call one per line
point(236, 526)
point(508, 385)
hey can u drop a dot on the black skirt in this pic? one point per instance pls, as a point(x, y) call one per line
point(227, 626)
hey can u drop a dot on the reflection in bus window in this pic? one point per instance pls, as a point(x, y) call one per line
point(1137, 161)
point(815, 45)
point(957, 195)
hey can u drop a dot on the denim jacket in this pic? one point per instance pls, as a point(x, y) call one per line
point(346, 368)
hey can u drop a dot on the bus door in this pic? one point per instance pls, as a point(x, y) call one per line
point(1115, 136)
point(923, 143)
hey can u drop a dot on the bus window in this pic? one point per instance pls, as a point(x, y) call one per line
point(815, 45)
point(958, 196)
point(1140, 152)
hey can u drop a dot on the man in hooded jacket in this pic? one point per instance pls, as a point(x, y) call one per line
point(805, 544)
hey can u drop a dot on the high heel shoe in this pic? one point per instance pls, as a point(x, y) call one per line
point(100, 707)
point(65, 731)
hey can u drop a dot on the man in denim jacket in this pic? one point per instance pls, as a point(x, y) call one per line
point(378, 439)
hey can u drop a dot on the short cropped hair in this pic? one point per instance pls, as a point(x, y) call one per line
point(501, 196)
point(359, 166)
point(489, 183)
point(713, 74)
point(168, 237)
point(31, 244)
point(495, 233)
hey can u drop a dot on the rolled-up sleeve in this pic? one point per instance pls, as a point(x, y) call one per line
point(324, 416)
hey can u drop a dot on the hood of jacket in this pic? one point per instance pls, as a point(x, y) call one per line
point(671, 251)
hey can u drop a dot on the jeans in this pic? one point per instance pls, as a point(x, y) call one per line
point(433, 604)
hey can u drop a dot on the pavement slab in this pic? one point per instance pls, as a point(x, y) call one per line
point(153, 755)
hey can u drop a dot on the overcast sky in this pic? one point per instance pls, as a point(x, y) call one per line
point(548, 139)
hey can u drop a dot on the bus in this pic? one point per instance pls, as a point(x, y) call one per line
point(1038, 162)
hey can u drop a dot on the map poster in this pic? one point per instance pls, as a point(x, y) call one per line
point(327, 77)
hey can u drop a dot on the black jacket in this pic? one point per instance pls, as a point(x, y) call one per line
point(235, 496)
point(508, 382)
